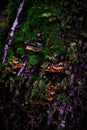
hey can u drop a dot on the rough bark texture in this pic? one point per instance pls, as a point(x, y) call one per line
point(43, 77)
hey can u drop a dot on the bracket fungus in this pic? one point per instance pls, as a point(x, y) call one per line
point(56, 67)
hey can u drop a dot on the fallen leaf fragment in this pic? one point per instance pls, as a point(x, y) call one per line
point(31, 48)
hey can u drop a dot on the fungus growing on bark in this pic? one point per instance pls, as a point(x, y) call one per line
point(56, 67)
point(31, 48)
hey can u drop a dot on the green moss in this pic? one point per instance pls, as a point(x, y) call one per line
point(43, 17)
point(13, 6)
point(20, 51)
point(33, 59)
point(10, 53)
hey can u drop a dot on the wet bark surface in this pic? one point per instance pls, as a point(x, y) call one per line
point(47, 93)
